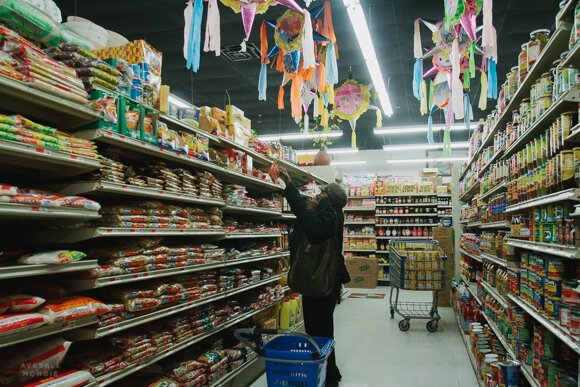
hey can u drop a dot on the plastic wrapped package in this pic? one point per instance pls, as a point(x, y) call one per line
point(140, 304)
point(26, 362)
point(73, 308)
point(69, 378)
point(52, 257)
point(97, 359)
point(124, 294)
point(14, 323)
point(19, 303)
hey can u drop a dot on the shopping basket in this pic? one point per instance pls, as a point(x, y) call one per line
point(293, 359)
point(416, 264)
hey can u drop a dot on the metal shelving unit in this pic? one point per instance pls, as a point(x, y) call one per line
point(21, 211)
point(142, 148)
point(572, 194)
point(10, 271)
point(473, 256)
point(564, 103)
point(526, 370)
point(495, 190)
point(495, 225)
point(359, 208)
point(109, 189)
point(53, 163)
point(566, 251)
point(404, 215)
point(19, 97)
point(556, 329)
point(115, 376)
point(45, 331)
point(494, 259)
point(78, 285)
point(494, 293)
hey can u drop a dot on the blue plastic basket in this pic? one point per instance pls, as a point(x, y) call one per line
point(290, 361)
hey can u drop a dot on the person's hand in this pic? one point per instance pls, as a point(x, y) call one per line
point(284, 176)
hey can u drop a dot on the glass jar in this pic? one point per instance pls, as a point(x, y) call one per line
point(556, 84)
point(538, 40)
point(544, 85)
point(523, 63)
point(512, 83)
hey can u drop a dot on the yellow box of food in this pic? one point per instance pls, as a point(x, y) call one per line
point(135, 52)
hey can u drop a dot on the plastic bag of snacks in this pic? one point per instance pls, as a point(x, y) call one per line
point(70, 378)
point(52, 257)
point(27, 362)
point(73, 308)
point(14, 323)
point(18, 303)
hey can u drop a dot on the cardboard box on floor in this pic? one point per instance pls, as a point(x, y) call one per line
point(444, 235)
point(362, 281)
point(363, 272)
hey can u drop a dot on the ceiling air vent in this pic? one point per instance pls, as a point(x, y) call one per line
point(233, 53)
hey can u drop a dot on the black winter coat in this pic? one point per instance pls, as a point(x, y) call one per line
point(319, 224)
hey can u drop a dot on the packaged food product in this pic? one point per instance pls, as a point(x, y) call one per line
point(28, 362)
point(13, 323)
point(52, 257)
point(138, 304)
point(70, 378)
point(73, 308)
point(18, 303)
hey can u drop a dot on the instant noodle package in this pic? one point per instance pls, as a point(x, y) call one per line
point(22, 130)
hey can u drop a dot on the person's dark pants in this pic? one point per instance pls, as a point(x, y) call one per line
point(318, 321)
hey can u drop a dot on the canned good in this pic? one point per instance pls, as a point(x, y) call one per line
point(574, 326)
point(551, 308)
point(567, 120)
point(564, 315)
point(554, 268)
point(510, 371)
point(542, 105)
point(567, 165)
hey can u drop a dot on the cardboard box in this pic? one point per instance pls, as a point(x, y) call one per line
point(362, 281)
point(359, 265)
point(211, 125)
point(135, 52)
point(429, 172)
point(235, 115)
point(237, 134)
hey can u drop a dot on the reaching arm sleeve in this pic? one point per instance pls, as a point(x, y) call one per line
point(317, 223)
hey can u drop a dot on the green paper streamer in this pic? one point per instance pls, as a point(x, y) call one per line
point(431, 95)
point(472, 60)
point(447, 143)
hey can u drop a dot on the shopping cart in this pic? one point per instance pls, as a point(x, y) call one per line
point(293, 359)
point(416, 264)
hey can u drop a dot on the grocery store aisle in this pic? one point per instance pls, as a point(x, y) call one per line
point(372, 352)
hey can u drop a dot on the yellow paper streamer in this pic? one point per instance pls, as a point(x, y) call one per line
point(423, 97)
point(324, 118)
point(483, 96)
point(353, 139)
point(379, 118)
point(330, 94)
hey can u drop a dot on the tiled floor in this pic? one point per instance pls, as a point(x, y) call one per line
point(372, 352)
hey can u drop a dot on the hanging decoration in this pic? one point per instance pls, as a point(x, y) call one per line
point(306, 54)
point(248, 9)
point(351, 100)
point(453, 58)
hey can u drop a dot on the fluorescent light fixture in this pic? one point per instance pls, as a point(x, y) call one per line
point(411, 147)
point(358, 162)
point(336, 151)
point(179, 102)
point(361, 30)
point(418, 129)
point(299, 136)
point(427, 160)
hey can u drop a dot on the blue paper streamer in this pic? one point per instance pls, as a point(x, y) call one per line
point(417, 76)
point(467, 111)
point(263, 82)
point(194, 43)
point(430, 139)
point(492, 79)
point(331, 65)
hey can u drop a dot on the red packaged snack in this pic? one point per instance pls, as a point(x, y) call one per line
point(73, 308)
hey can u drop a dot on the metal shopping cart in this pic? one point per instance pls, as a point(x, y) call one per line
point(293, 359)
point(416, 264)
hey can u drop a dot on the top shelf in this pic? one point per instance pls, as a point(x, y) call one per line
point(19, 98)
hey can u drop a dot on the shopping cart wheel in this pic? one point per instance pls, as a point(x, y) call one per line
point(404, 325)
point(392, 313)
point(432, 326)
